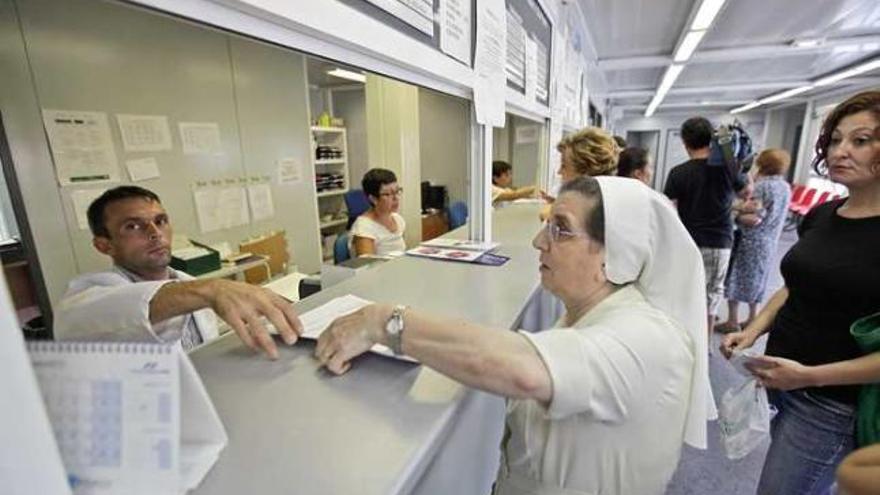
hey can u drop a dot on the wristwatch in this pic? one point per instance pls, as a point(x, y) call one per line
point(394, 329)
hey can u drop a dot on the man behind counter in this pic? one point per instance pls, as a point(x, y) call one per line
point(143, 299)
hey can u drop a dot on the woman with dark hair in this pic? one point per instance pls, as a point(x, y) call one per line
point(635, 163)
point(813, 366)
point(379, 230)
point(760, 223)
point(625, 363)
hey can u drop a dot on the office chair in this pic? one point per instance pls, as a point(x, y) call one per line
point(458, 214)
point(340, 248)
point(356, 202)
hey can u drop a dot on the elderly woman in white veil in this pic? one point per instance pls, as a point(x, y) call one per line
point(602, 402)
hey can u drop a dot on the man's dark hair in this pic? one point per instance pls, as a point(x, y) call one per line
point(588, 187)
point(696, 132)
point(499, 168)
point(374, 179)
point(98, 207)
point(630, 160)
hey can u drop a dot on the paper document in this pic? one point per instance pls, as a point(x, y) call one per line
point(319, 319)
point(82, 148)
point(489, 59)
point(142, 169)
point(129, 418)
point(81, 199)
point(260, 199)
point(200, 138)
point(221, 207)
point(144, 132)
point(465, 244)
point(287, 286)
point(448, 254)
point(455, 29)
point(289, 171)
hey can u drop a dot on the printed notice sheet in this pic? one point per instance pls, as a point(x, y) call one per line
point(289, 171)
point(260, 199)
point(455, 29)
point(144, 132)
point(142, 169)
point(490, 82)
point(200, 138)
point(81, 199)
point(82, 147)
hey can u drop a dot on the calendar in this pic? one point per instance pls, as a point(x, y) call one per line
point(116, 411)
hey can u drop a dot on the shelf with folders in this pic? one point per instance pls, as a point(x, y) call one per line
point(330, 159)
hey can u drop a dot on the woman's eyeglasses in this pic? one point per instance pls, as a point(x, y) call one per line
point(388, 194)
point(557, 232)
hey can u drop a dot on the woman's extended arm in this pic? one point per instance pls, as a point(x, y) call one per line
point(494, 360)
point(757, 327)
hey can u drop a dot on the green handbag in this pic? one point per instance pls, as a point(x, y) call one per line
point(866, 331)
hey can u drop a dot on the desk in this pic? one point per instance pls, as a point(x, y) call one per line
point(386, 427)
point(237, 269)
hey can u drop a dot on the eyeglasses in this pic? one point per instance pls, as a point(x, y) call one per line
point(557, 232)
point(397, 192)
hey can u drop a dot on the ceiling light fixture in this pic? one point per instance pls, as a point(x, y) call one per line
point(824, 81)
point(687, 46)
point(347, 74)
point(859, 69)
point(708, 10)
point(669, 78)
point(808, 42)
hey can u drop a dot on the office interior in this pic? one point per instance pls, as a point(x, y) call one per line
point(272, 83)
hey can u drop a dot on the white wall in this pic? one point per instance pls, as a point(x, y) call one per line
point(444, 141)
point(86, 55)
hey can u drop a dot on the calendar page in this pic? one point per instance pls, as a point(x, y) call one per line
point(115, 411)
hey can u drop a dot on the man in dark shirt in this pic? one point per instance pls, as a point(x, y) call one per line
point(703, 195)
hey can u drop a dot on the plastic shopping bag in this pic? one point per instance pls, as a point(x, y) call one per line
point(744, 415)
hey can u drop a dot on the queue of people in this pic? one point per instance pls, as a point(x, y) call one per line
point(640, 277)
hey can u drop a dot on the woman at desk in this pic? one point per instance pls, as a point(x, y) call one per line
point(379, 231)
point(601, 402)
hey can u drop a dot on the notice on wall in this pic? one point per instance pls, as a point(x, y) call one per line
point(455, 29)
point(144, 132)
point(81, 199)
point(260, 199)
point(200, 138)
point(515, 63)
point(542, 66)
point(526, 134)
point(221, 207)
point(142, 169)
point(289, 171)
point(489, 83)
point(82, 147)
point(417, 13)
point(531, 70)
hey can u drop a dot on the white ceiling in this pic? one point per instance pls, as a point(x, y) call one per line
point(746, 54)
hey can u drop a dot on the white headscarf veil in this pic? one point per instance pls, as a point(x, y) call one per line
point(647, 245)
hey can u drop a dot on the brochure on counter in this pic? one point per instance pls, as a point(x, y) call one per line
point(452, 250)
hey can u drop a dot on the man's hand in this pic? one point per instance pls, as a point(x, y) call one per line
point(242, 306)
point(737, 341)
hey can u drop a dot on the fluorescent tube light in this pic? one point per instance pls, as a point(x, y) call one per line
point(347, 74)
point(708, 10)
point(786, 94)
point(808, 42)
point(669, 78)
point(746, 107)
point(688, 45)
point(859, 69)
